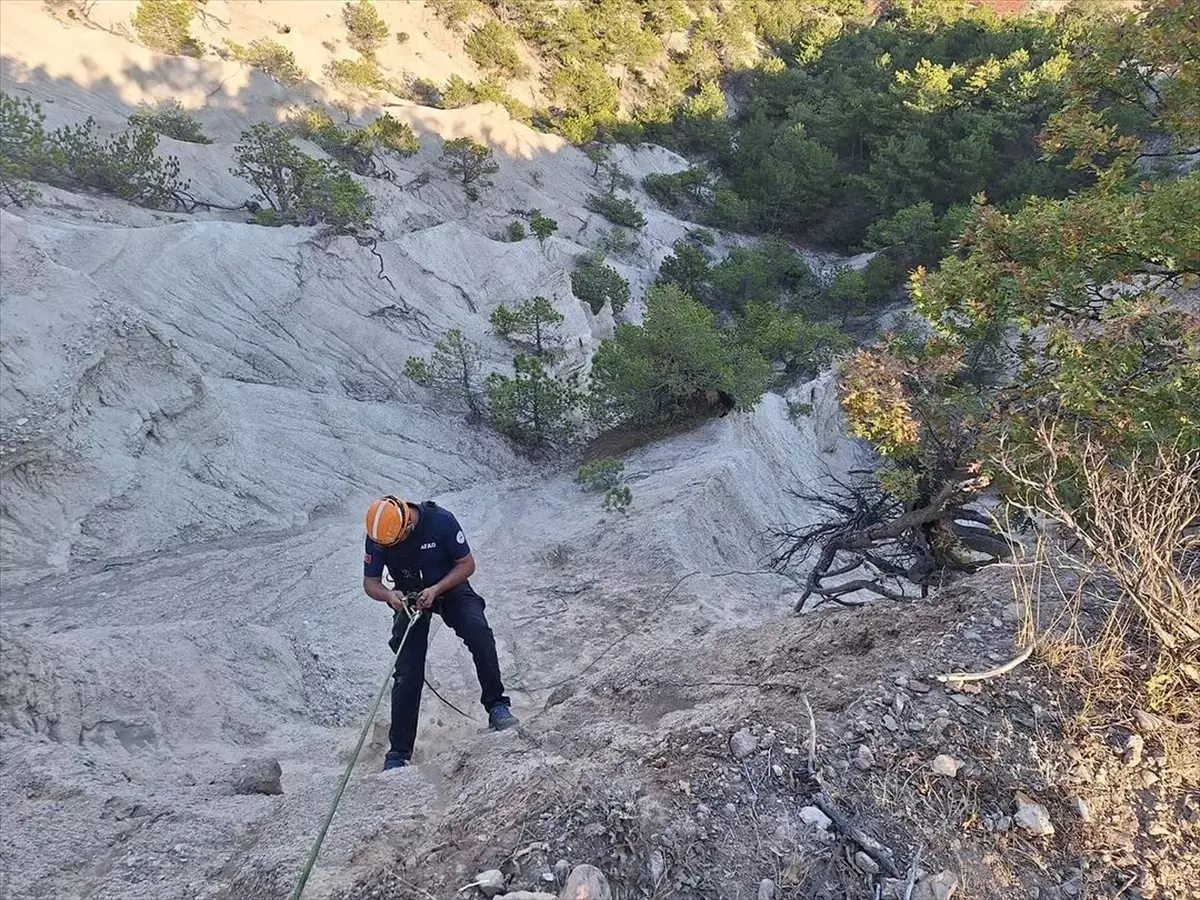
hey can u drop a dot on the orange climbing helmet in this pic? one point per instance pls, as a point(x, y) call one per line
point(389, 520)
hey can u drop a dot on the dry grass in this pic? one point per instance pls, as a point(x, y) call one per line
point(1128, 606)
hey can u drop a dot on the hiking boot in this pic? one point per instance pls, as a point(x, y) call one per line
point(394, 761)
point(500, 717)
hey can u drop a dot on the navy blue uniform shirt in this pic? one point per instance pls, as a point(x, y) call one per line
point(425, 557)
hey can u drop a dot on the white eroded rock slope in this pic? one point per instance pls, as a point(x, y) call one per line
point(195, 412)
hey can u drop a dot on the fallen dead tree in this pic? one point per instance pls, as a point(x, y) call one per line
point(868, 539)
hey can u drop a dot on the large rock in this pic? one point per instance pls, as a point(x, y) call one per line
point(527, 895)
point(258, 776)
point(586, 883)
point(743, 744)
point(490, 883)
point(941, 886)
point(945, 765)
point(813, 816)
point(1032, 817)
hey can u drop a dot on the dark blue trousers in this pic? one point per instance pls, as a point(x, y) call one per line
point(462, 609)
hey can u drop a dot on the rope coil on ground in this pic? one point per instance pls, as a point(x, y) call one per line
point(341, 789)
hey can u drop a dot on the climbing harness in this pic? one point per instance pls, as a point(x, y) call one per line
point(341, 789)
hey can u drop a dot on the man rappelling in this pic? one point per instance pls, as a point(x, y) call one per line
point(427, 555)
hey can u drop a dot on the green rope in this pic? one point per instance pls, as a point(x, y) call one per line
point(337, 797)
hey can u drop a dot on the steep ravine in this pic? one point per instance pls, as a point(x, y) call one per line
point(195, 411)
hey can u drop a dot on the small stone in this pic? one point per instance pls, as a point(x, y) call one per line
point(766, 889)
point(811, 815)
point(918, 687)
point(863, 757)
point(490, 883)
point(889, 723)
point(1146, 722)
point(1158, 829)
point(742, 744)
point(586, 883)
point(1133, 750)
point(945, 765)
point(527, 895)
point(865, 863)
point(1032, 817)
point(1004, 823)
point(936, 887)
point(562, 869)
point(258, 776)
point(1081, 809)
point(1149, 779)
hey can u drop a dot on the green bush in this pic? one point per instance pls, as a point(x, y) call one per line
point(172, 120)
point(846, 292)
point(797, 410)
point(362, 74)
point(452, 12)
point(452, 370)
point(618, 210)
point(679, 189)
point(77, 158)
point(802, 346)
point(618, 242)
point(541, 226)
point(24, 154)
point(664, 369)
point(388, 133)
point(356, 147)
point(515, 232)
point(728, 211)
point(489, 91)
point(165, 24)
point(367, 29)
point(688, 268)
point(458, 92)
point(617, 499)
point(298, 189)
point(271, 57)
point(534, 322)
point(492, 47)
point(470, 162)
point(596, 284)
point(600, 474)
point(531, 407)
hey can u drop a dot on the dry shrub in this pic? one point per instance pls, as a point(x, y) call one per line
point(1137, 523)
